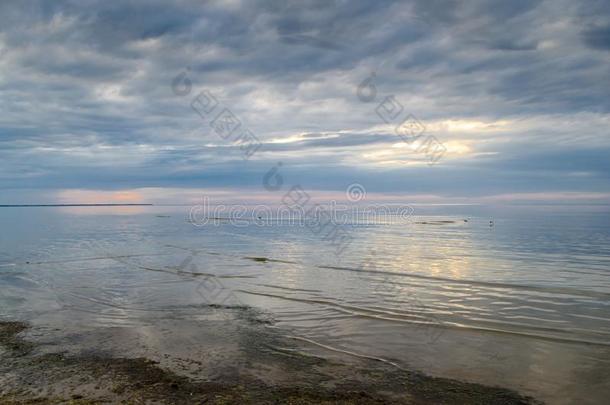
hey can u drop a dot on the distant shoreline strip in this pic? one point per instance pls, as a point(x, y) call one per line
point(72, 205)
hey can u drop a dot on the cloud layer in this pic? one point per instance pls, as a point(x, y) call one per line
point(517, 92)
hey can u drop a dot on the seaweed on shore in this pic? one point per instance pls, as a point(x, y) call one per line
point(10, 340)
point(436, 222)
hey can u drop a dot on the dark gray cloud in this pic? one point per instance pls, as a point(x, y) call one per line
point(598, 37)
point(517, 90)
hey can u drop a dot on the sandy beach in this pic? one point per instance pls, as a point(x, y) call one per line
point(263, 376)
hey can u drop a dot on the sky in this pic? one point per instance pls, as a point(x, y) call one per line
point(98, 100)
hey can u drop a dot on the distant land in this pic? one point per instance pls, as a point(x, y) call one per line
point(73, 205)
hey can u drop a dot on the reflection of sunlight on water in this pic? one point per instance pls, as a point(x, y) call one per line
point(99, 196)
point(434, 250)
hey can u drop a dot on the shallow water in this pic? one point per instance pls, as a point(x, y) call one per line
point(523, 304)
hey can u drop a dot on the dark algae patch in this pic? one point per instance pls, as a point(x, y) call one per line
point(258, 259)
point(29, 377)
point(444, 222)
point(10, 340)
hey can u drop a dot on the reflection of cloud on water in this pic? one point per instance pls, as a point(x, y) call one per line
point(106, 210)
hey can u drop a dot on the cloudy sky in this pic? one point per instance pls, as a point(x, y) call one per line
point(96, 99)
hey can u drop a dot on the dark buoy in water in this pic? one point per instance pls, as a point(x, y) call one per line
point(491, 222)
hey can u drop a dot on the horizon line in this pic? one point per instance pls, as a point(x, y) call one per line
point(72, 205)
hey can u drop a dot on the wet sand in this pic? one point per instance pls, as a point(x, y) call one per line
point(269, 369)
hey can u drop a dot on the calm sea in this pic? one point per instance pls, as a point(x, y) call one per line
point(522, 304)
